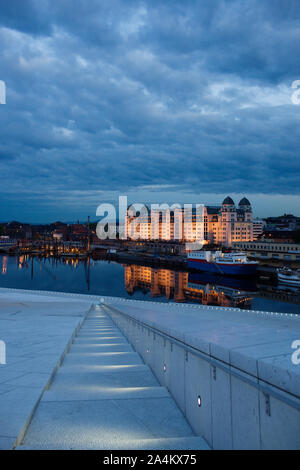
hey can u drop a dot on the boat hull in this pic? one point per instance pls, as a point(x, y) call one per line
point(290, 282)
point(236, 269)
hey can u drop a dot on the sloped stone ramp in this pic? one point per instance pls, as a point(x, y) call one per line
point(104, 397)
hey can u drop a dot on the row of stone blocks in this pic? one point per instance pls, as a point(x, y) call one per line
point(228, 409)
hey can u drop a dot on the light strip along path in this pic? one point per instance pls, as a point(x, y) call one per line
point(104, 397)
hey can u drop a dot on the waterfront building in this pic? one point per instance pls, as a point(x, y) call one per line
point(57, 235)
point(165, 247)
point(258, 228)
point(280, 235)
point(230, 223)
point(283, 222)
point(269, 249)
point(221, 225)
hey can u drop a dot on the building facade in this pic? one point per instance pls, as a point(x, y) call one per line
point(220, 225)
point(269, 249)
point(258, 228)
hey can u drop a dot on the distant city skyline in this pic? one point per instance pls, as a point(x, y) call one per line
point(263, 206)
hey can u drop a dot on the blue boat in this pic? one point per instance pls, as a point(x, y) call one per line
point(228, 264)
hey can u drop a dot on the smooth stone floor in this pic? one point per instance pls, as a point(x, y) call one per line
point(36, 330)
point(104, 397)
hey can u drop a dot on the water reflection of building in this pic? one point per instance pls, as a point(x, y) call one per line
point(182, 287)
point(4, 265)
point(160, 282)
point(280, 293)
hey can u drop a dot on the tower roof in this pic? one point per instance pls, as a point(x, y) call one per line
point(244, 202)
point(228, 201)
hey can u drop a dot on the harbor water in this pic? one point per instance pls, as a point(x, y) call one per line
point(145, 283)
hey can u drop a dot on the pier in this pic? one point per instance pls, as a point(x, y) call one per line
point(106, 373)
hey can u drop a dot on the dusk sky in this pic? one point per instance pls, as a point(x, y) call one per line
point(164, 101)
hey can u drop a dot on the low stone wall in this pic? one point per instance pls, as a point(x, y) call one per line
point(231, 407)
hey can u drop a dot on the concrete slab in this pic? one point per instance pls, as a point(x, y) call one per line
point(97, 330)
point(86, 422)
point(6, 388)
point(241, 338)
point(245, 415)
point(36, 330)
point(136, 376)
point(96, 340)
point(6, 443)
point(248, 365)
point(100, 333)
point(38, 380)
point(179, 443)
point(104, 396)
point(252, 343)
point(221, 409)
point(15, 408)
point(246, 358)
point(98, 348)
point(103, 392)
point(281, 372)
point(272, 437)
point(102, 359)
point(9, 373)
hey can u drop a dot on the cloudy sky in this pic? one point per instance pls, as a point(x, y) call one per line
point(163, 101)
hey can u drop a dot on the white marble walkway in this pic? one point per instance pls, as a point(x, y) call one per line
point(104, 397)
point(36, 331)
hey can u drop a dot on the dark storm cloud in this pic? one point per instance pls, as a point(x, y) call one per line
point(6, 155)
point(114, 95)
point(29, 16)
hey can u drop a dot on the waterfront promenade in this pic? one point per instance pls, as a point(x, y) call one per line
point(107, 373)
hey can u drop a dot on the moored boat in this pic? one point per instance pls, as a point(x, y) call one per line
point(289, 276)
point(232, 264)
